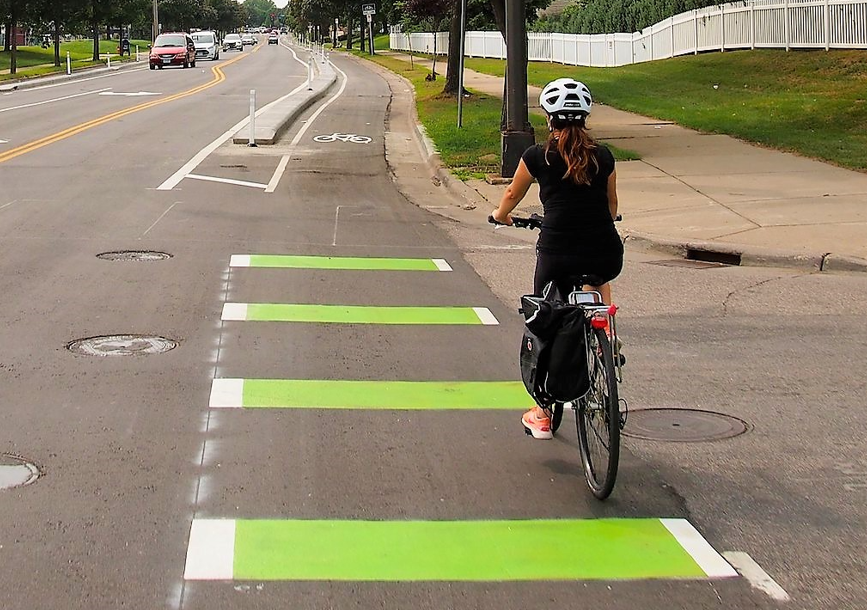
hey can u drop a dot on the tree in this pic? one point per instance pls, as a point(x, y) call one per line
point(431, 15)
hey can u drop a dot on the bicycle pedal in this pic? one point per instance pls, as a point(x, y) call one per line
point(527, 431)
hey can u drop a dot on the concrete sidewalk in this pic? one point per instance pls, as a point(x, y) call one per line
point(711, 192)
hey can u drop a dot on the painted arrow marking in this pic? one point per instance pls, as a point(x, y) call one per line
point(139, 94)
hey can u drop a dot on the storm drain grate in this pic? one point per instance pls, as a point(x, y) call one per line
point(682, 425)
point(121, 345)
point(688, 263)
point(713, 256)
point(134, 255)
point(16, 471)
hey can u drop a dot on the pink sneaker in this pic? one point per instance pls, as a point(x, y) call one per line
point(539, 427)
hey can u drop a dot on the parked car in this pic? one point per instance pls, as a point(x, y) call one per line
point(248, 39)
point(207, 45)
point(173, 49)
point(233, 42)
point(272, 38)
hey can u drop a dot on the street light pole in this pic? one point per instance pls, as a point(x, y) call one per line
point(518, 135)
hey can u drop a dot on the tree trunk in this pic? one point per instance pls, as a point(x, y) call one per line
point(499, 9)
point(349, 26)
point(7, 38)
point(362, 35)
point(433, 68)
point(453, 66)
point(13, 58)
point(95, 29)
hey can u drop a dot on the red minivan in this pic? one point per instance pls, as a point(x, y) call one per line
point(173, 49)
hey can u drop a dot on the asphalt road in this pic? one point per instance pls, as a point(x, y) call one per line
point(132, 454)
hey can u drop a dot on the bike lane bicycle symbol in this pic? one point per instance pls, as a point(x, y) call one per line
point(343, 137)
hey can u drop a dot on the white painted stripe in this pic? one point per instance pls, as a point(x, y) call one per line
point(235, 311)
point(227, 394)
point(56, 99)
point(757, 577)
point(441, 264)
point(211, 553)
point(239, 260)
point(256, 185)
point(701, 551)
point(486, 316)
point(175, 179)
point(278, 173)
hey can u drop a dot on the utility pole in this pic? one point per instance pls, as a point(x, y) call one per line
point(518, 135)
point(155, 30)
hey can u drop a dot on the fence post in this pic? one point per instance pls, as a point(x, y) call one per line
point(695, 27)
point(752, 25)
point(722, 27)
point(827, 26)
point(671, 30)
point(786, 23)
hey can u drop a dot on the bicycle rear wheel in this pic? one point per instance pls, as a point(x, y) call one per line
point(598, 419)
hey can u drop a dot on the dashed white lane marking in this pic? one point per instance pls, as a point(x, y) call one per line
point(757, 577)
point(4, 141)
point(82, 80)
point(441, 264)
point(227, 394)
point(239, 260)
point(138, 94)
point(699, 549)
point(485, 315)
point(255, 185)
point(235, 312)
point(56, 99)
point(211, 552)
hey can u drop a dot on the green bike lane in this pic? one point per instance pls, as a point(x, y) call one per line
point(379, 461)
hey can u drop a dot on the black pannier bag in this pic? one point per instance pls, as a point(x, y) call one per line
point(552, 358)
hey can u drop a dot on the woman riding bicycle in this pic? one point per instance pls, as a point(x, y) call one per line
point(578, 190)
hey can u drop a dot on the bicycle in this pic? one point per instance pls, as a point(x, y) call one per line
point(597, 412)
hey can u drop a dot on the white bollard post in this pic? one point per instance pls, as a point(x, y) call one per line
point(68, 63)
point(310, 73)
point(252, 141)
point(136, 53)
point(109, 61)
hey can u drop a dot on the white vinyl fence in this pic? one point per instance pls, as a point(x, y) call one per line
point(787, 24)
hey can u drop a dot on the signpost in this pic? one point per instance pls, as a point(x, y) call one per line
point(369, 10)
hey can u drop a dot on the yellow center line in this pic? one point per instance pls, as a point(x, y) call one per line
point(219, 77)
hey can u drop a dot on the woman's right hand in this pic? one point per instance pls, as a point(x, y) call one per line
point(503, 219)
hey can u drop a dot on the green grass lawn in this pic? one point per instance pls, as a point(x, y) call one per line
point(810, 102)
point(473, 150)
point(78, 50)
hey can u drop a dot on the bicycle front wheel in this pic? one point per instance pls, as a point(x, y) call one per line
point(598, 418)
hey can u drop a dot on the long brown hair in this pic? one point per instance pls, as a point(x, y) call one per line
point(576, 147)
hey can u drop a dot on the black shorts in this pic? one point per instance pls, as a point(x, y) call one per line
point(561, 268)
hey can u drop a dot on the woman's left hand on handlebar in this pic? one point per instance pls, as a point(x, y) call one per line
point(502, 219)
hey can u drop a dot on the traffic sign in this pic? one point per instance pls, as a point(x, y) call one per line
point(368, 9)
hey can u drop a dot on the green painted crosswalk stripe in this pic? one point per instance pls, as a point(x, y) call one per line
point(549, 549)
point(356, 314)
point(354, 263)
point(350, 394)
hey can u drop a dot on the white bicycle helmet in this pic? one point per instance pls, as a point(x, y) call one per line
point(566, 99)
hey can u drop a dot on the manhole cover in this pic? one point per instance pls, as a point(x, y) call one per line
point(682, 425)
point(15, 471)
point(134, 255)
point(685, 262)
point(121, 345)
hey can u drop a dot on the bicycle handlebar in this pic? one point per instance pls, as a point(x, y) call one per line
point(534, 221)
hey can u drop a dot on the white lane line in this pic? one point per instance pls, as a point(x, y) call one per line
point(211, 552)
point(756, 576)
point(234, 312)
point(6, 205)
point(139, 94)
point(239, 260)
point(83, 80)
point(56, 99)
point(227, 394)
point(278, 173)
point(441, 264)
point(256, 185)
point(699, 549)
point(175, 179)
point(313, 117)
point(486, 316)
point(159, 219)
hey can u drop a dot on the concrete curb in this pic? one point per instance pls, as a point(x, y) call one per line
point(270, 125)
point(51, 79)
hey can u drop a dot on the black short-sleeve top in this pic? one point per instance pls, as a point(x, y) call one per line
point(577, 216)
